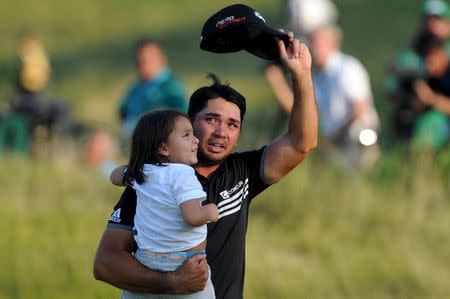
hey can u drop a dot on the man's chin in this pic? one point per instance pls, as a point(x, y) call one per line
point(209, 159)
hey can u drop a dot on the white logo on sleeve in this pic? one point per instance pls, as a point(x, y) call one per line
point(115, 217)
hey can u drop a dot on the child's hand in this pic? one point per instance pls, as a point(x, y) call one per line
point(211, 212)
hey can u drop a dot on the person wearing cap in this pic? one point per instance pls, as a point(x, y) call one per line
point(344, 99)
point(432, 131)
point(157, 87)
point(408, 66)
point(436, 15)
point(303, 16)
point(231, 180)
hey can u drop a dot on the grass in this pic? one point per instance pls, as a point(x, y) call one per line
point(338, 236)
point(319, 233)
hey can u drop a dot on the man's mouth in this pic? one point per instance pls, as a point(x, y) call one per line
point(216, 147)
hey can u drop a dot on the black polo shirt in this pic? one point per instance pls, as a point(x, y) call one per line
point(231, 187)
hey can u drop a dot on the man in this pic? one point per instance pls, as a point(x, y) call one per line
point(303, 16)
point(344, 97)
point(157, 88)
point(433, 127)
point(408, 66)
point(231, 180)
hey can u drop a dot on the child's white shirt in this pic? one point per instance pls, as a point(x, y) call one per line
point(158, 222)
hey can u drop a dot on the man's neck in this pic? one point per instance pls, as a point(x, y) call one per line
point(206, 170)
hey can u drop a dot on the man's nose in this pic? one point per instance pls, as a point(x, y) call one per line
point(220, 130)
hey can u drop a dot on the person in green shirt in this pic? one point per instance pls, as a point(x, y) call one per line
point(157, 87)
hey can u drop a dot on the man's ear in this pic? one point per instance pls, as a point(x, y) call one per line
point(163, 151)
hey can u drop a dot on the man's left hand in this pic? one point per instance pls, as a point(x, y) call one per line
point(296, 57)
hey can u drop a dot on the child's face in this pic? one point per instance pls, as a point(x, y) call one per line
point(181, 146)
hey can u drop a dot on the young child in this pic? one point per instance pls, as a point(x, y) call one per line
point(170, 221)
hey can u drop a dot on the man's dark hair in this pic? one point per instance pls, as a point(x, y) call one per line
point(152, 130)
point(143, 41)
point(425, 42)
point(199, 99)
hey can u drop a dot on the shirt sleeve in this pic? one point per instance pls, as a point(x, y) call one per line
point(253, 161)
point(186, 185)
point(356, 81)
point(124, 210)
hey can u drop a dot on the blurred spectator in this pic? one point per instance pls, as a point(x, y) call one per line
point(157, 87)
point(408, 66)
point(100, 152)
point(303, 16)
point(30, 101)
point(432, 130)
point(435, 19)
point(347, 116)
point(13, 133)
point(34, 66)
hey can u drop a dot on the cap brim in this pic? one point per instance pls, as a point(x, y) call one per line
point(263, 41)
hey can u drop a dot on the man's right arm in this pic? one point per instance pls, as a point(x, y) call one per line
point(115, 264)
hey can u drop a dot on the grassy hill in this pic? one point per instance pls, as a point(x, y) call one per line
point(319, 233)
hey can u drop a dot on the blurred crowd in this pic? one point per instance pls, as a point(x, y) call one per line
point(417, 89)
point(31, 114)
point(417, 86)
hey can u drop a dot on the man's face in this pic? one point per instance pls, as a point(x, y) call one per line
point(218, 129)
point(436, 62)
point(150, 60)
point(323, 44)
point(439, 26)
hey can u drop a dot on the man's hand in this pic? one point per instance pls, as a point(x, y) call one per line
point(424, 93)
point(192, 275)
point(431, 98)
point(296, 57)
point(115, 264)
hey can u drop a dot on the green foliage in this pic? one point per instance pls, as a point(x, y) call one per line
point(319, 233)
point(327, 234)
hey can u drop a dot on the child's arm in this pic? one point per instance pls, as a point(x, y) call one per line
point(196, 215)
point(116, 176)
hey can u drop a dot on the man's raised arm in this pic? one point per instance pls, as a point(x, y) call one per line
point(288, 150)
point(115, 264)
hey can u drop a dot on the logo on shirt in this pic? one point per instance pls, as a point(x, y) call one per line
point(232, 199)
point(225, 194)
point(115, 217)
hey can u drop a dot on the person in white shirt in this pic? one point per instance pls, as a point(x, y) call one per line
point(348, 121)
point(170, 221)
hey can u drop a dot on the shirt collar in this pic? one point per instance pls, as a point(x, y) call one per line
point(163, 75)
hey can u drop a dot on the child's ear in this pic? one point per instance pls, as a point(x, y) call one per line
point(163, 151)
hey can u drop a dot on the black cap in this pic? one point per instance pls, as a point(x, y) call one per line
point(240, 27)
